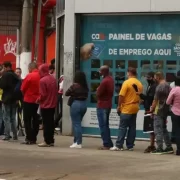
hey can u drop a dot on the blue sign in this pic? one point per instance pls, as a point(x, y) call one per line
point(146, 42)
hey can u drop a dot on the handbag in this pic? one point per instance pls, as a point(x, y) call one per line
point(70, 101)
point(148, 126)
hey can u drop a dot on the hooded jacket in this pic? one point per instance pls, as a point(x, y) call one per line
point(8, 83)
point(48, 88)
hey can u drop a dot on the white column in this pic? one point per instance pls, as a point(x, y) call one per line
point(26, 36)
point(25, 59)
point(69, 60)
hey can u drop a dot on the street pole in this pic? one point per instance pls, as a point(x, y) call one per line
point(26, 38)
point(37, 29)
point(18, 49)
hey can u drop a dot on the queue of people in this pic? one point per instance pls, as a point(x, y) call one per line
point(39, 89)
point(158, 101)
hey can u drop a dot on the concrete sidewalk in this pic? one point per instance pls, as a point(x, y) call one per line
point(60, 162)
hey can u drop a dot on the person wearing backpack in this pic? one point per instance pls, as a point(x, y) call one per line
point(8, 84)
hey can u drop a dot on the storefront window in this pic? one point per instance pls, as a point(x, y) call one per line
point(145, 65)
point(120, 64)
point(158, 65)
point(108, 63)
point(95, 75)
point(94, 86)
point(171, 65)
point(93, 98)
point(133, 63)
point(95, 63)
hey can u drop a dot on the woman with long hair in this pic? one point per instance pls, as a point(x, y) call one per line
point(174, 100)
point(78, 93)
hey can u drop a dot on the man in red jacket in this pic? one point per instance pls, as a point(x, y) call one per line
point(30, 90)
point(48, 101)
point(104, 97)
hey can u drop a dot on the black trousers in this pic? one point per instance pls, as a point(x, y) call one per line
point(31, 122)
point(48, 124)
point(176, 125)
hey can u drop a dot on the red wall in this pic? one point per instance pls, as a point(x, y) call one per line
point(8, 49)
point(50, 47)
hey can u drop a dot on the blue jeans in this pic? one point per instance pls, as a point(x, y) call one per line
point(9, 117)
point(127, 123)
point(77, 112)
point(103, 119)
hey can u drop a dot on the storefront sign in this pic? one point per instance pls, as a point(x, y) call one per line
point(149, 43)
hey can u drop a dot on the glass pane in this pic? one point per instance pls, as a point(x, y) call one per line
point(144, 81)
point(171, 65)
point(95, 63)
point(93, 98)
point(94, 86)
point(120, 76)
point(158, 65)
point(95, 75)
point(133, 63)
point(116, 99)
point(170, 77)
point(120, 64)
point(145, 65)
point(108, 63)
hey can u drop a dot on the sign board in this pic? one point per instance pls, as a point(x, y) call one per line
point(148, 42)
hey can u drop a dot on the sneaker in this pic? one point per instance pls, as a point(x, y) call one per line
point(15, 138)
point(150, 149)
point(44, 144)
point(57, 129)
point(52, 144)
point(6, 139)
point(116, 149)
point(169, 150)
point(130, 149)
point(103, 148)
point(73, 145)
point(158, 151)
point(76, 146)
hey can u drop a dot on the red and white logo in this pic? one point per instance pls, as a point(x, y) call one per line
point(98, 36)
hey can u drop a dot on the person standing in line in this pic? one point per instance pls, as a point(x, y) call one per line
point(1, 112)
point(78, 93)
point(48, 103)
point(60, 100)
point(104, 95)
point(147, 101)
point(30, 90)
point(18, 72)
point(52, 70)
point(8, 84)
point(128, 107)
point(172, 85)
point(174, 100)
point(160, 110)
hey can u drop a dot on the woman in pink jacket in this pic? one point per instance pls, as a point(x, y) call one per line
point(174, 100)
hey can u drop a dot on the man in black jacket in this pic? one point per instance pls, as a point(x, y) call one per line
point(8, 83)
point(148, 99)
